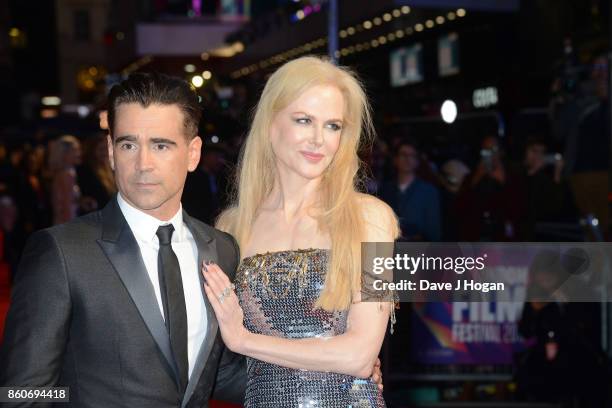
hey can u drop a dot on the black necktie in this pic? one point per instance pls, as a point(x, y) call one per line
point(173, 300)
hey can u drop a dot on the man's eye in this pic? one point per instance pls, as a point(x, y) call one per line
point(161, 146)
point(127, 146)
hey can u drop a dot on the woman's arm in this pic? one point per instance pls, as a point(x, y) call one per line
point(353, 352)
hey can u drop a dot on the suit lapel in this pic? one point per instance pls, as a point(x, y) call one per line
point(122, 250)
point(207, 250)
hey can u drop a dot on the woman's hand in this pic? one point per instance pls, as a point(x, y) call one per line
point(220, 292)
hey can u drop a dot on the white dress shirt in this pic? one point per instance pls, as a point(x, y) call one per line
point(144, 228)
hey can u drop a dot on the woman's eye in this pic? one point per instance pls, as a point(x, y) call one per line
point(303, 121)
point(334, 126)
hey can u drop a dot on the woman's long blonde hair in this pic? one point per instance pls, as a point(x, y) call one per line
point(341, 215)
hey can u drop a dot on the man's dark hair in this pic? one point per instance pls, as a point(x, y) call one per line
point(408, 142)
point(154, 88)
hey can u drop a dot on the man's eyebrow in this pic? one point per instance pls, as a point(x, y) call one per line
point(162, 140)
point(155, 140)
point(125, 138)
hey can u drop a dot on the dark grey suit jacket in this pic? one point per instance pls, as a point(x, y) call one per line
point(83, 314)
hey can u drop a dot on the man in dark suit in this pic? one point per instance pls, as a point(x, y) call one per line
point(111, 304)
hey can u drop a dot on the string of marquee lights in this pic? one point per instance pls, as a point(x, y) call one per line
point(347, 32)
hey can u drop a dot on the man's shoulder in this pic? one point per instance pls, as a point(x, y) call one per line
point(78, 228)
point(212, 231)
point(226, 245)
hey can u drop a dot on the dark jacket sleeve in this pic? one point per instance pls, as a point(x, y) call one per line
point(230, 383)
point(38, 321)
point(236, 255)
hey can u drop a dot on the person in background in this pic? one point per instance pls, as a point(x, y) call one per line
point(375, 165)
point(16, 156)
point(205, 189)
point(453, 173)
point(548, 196)
point(95, 176)
point(31, 196)
point(415, 201)
point(492, 200)
point(8, 173)
point(589, 171)
point(563, 338)
point(64, 156)
point(13, 237)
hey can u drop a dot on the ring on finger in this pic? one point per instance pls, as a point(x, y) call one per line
point(228, 289)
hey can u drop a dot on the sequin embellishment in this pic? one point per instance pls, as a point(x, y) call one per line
point(277, 291)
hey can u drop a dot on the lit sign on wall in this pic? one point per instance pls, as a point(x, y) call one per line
point(448, 54)
point(485, 97)
point(406, 65)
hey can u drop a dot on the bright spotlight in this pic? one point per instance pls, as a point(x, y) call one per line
point(449, 111)
point(197, 81)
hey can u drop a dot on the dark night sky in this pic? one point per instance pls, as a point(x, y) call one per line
point(35, 66)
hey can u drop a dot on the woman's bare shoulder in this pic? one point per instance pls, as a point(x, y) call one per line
point(380, 220)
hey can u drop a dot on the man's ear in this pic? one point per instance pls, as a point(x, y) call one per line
point(109, 146)
point(195, 150)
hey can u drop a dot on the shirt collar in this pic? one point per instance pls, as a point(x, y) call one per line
point(144, 227)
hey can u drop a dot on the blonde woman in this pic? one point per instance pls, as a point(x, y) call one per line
point(300, 222)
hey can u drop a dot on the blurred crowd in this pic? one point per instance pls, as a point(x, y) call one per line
point(540, 192)
point(48, 183)
point(548, 184)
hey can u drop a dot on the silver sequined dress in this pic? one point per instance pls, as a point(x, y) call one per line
point(277, 292)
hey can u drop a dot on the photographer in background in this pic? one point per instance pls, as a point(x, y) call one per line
point(548, 195)
point(590, 170)
point(580, 120)
point(492, 199)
